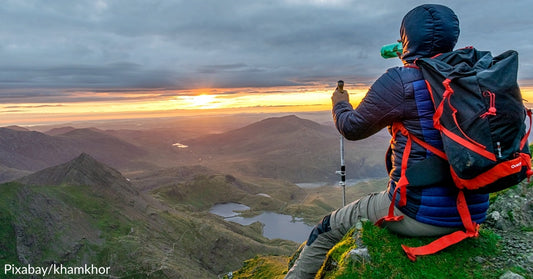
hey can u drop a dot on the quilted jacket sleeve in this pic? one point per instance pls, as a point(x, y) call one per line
point(382, 105)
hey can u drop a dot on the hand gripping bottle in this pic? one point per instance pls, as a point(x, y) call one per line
point(391, 50)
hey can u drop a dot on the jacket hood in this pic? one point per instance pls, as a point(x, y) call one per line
point(428, 30)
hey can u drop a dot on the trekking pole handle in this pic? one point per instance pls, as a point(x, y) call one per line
point(340, 86)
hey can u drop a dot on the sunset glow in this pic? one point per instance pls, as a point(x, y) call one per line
point(122, 105)
point(197, 102)
point(125, 105)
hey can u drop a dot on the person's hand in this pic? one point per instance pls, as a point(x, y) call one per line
point(339, 96)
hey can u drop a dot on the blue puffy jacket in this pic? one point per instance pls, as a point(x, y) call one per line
point(401, 95)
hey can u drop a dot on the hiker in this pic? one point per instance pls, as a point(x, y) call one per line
point(398, 96)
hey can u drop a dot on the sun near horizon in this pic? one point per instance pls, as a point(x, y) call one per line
point(167, 103)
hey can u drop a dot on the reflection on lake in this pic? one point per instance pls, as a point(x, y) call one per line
point(275, 225)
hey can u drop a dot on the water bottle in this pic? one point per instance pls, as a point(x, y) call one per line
point(391, 50)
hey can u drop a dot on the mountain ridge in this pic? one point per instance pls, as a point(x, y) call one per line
point(83, 170)
point(291, 148)
point(32, 150)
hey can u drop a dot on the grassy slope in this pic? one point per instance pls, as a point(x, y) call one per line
point(74, 225)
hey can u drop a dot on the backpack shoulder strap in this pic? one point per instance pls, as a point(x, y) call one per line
point(401, 186)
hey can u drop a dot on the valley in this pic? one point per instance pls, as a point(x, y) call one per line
point(129, 198)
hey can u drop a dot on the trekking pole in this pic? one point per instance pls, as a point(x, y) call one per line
point(342, 172)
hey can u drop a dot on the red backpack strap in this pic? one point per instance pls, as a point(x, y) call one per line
point(471, 230)
point(509, 167)
point(466, 141)
point(403, 182)
point(526, 136)
point(401, 186)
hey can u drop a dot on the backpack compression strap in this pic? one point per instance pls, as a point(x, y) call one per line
point(401, 186)
point(466, 141)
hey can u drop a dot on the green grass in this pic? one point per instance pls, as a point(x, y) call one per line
point(272, 267)
point(104, 216)
point(526, 229)
point(202, 192)
point(8, 248)
point(388, 260)
point(8, 242)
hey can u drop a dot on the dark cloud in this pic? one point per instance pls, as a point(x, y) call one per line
point(118, 45)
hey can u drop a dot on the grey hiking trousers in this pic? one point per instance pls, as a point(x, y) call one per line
point(371, 207)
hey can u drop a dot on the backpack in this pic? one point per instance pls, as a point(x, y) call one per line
point(481, 116)
point(480, 113)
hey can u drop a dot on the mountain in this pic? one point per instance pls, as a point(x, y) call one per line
point(104, 147)
point(84, 212)
point(31, 150)
point(9, 174)
point(264, 136)
point(16, 128)
point(287, 147)
point(59, 131)
point(81, 171)
point(290, 148)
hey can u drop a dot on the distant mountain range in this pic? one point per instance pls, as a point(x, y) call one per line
point(30, 150)
point(287, 147)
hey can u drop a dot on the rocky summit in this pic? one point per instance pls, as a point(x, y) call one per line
point(82, 171)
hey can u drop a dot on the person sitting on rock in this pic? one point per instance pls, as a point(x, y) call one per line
point(399, 95)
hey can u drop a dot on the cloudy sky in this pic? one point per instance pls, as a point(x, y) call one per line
point(64, 53)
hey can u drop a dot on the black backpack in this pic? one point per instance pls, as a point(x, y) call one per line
point(480, 113)
point(481, 116)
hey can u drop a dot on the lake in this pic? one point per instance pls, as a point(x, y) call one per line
point(275, 225)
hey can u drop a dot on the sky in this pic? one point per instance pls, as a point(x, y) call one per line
point(67, 60)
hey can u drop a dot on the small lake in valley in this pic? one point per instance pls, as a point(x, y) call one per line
point(275, 225)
